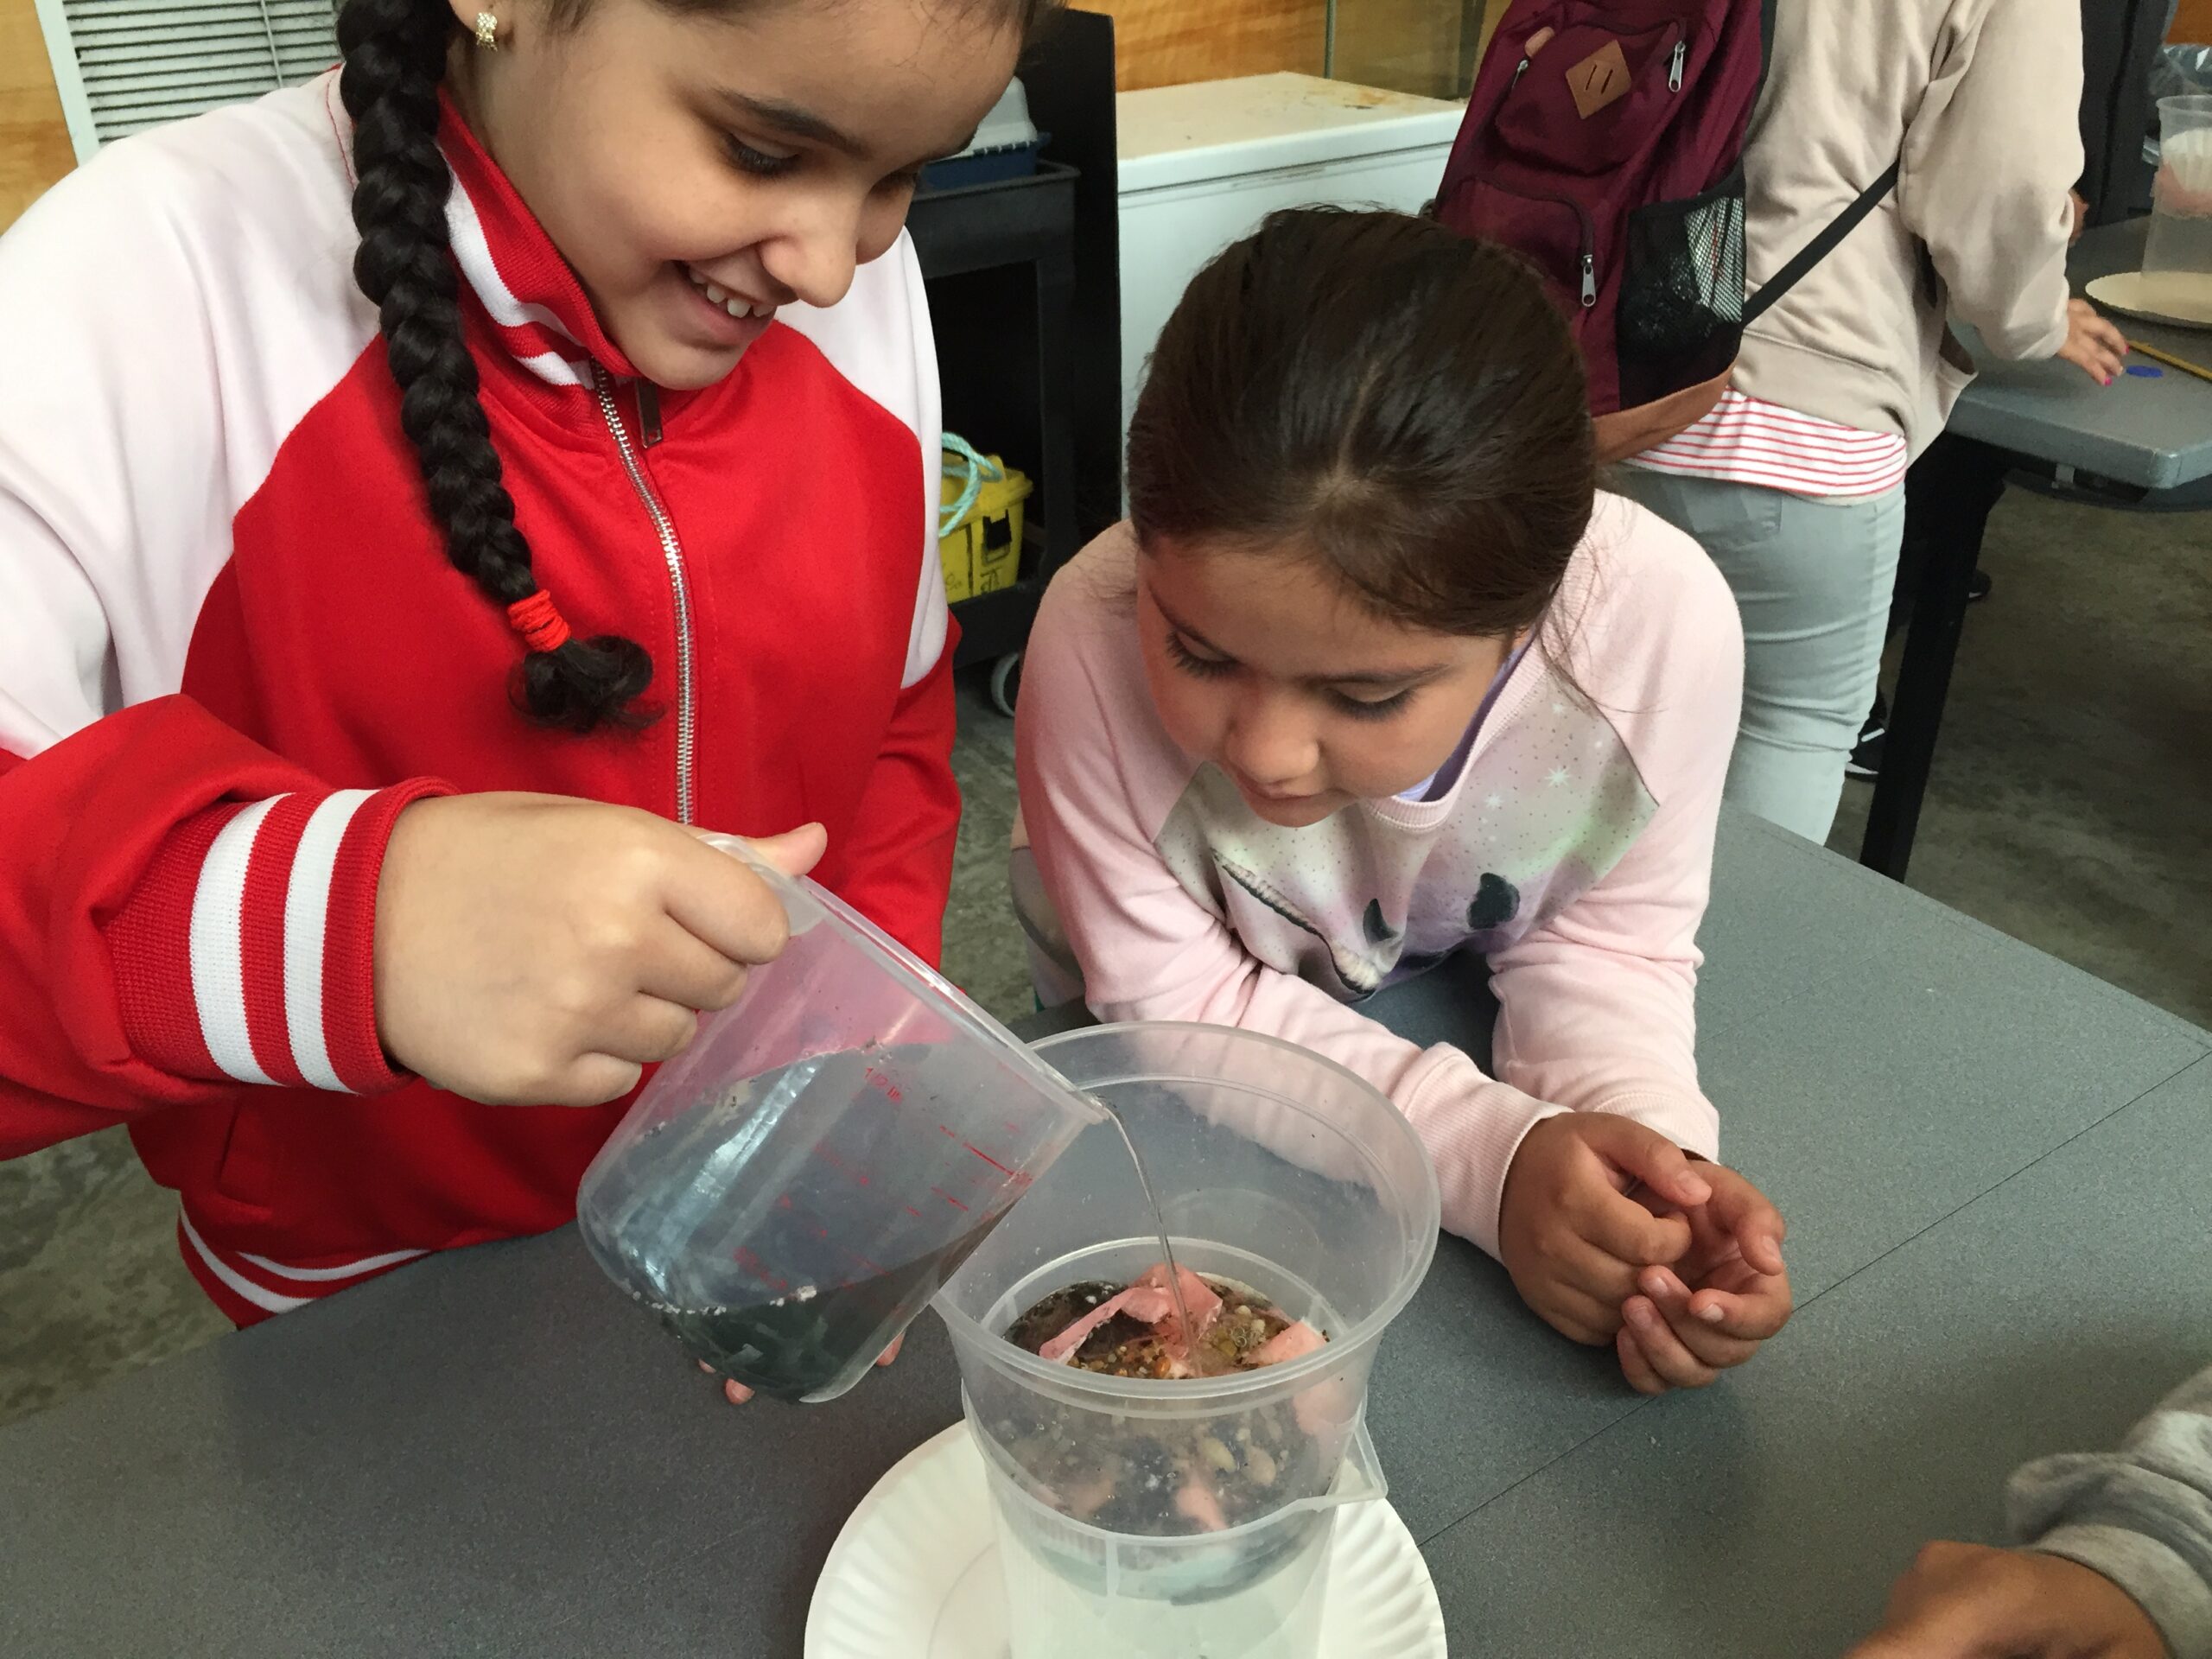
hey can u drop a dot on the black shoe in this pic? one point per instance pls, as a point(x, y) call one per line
point(1865, 761)
point(1977, 584)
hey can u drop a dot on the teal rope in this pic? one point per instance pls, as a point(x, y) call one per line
point(980, 469)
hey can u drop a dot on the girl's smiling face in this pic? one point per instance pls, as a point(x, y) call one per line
point(698, 169)
point(1260, 662)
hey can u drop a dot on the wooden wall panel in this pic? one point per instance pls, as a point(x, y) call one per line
point(1412, 46)
point(2193, 23)
point(1408, 46)
point(34, 140)
point(1166, 42)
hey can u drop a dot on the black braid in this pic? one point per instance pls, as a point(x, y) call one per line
point(395, 55)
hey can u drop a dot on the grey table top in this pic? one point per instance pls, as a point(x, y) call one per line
point(1995, 1168)
point(2155, 434)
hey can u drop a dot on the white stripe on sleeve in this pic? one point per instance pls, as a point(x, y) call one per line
point(218, 965)
point(238, 1282)
point(351, 1270)
point(307, 912)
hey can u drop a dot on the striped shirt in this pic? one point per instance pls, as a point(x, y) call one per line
point(1744, 440)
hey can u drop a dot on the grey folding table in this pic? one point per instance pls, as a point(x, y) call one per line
point(2144, 443)
point(1999, 1242)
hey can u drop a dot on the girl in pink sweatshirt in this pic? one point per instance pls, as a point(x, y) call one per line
point(1371, 675)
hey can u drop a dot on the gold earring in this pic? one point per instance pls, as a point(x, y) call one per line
point(487, 31)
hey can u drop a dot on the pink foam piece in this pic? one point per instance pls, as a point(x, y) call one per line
point(1325, 1411)
point(1291, 1342)
point(1200, 1301)
point(1196, 1499)
point(1147, 1301)
point(1147, 1305)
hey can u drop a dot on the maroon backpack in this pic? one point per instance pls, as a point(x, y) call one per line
point(1605, 142)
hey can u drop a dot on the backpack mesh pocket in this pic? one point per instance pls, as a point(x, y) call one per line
point(1681, 305)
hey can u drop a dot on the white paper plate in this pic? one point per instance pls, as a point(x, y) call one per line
point(915, 1574)
point(2157, 296)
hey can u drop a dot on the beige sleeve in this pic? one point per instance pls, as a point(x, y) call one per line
point(1989, 157)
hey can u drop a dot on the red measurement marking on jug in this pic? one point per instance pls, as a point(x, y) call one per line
point(745, 1258)
point(948, 1198)
point(884, 1086)
point(987, 1158)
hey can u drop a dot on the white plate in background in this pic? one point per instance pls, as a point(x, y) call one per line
point(2168, 296)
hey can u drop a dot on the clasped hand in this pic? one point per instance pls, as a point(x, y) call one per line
point(1613, 1234)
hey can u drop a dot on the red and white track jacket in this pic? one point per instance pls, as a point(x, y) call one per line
point(232, 648)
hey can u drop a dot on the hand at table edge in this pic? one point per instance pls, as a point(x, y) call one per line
point(1968, 1601)
point(2093, 345)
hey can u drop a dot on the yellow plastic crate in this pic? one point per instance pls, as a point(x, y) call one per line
point(979, 522)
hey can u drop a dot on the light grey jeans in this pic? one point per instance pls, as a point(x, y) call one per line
point(1813, 580)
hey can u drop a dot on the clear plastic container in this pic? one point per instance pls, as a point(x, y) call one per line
point(2180, 238)
point(788, 1193)
point(1053, 1613)
point(1275, 1169)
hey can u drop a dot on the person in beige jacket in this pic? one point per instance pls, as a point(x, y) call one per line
point(1794, 482)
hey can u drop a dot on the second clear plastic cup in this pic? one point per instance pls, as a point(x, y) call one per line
point(788, 1193)
point(1142, 1517)
point(2180, 237)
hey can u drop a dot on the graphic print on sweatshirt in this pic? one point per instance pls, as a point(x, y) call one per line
point(1380, 892)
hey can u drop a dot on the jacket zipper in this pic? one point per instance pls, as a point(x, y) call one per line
point(672, 557)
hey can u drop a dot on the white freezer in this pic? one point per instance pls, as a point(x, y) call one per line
point(1202, 164)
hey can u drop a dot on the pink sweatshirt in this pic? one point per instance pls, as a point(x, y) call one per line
point(1574, 851)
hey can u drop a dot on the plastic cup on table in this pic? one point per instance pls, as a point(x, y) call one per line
point(2178, 248)
point(1274, 1168)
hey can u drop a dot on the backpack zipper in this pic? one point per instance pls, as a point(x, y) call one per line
point(672, 557)
point(1677, 64)
point(1587, 262)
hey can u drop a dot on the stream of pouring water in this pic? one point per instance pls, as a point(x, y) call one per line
point(1160, 1230)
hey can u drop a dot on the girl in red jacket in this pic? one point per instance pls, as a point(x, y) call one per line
point(425, 494)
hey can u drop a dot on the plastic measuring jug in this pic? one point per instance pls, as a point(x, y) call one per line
point(1188, 1517)
point(788, 1193)
point(2180, 238)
